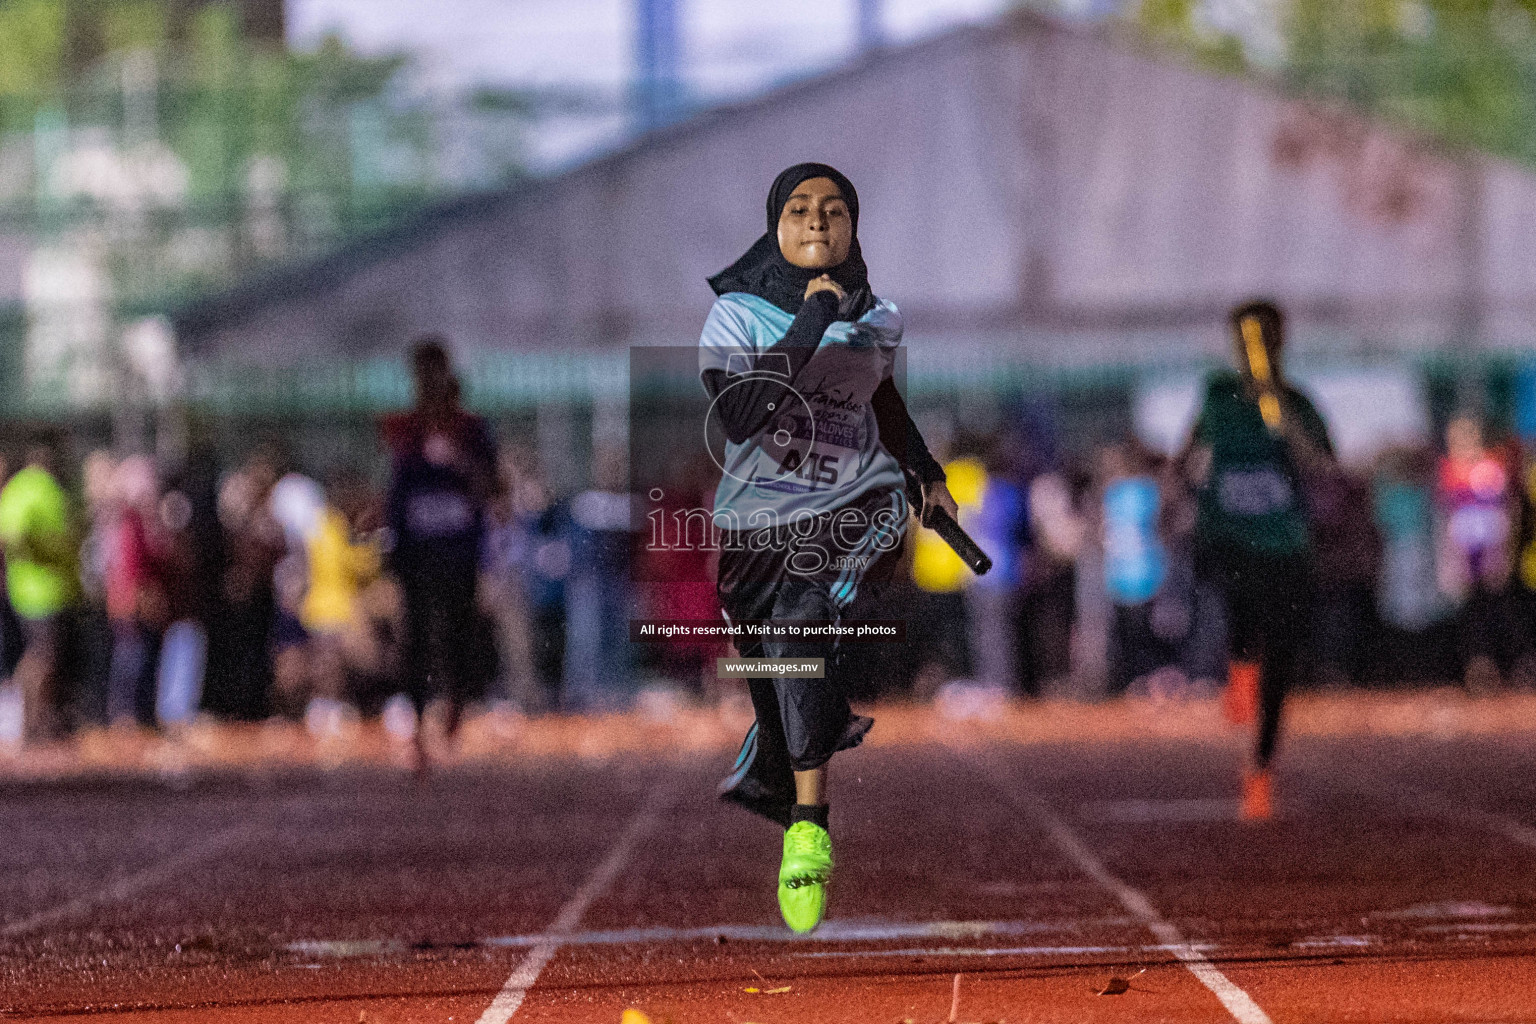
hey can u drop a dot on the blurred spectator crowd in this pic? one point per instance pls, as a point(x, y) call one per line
point(148, 595)
point(151, 595)
point(1424, 571)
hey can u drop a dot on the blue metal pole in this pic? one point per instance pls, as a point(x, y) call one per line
point(871, 31)
point(658, 45)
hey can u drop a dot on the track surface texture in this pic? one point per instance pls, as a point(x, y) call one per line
point(1072, 864)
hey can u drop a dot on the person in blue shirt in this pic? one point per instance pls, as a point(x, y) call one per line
point(1001, 527)
point(797, 356)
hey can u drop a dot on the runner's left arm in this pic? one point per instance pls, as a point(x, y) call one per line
point(900, 435)
point(904, 441)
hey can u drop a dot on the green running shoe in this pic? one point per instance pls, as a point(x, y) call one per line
point(804, 875)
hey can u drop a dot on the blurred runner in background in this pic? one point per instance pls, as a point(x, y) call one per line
point(239, 682)
point(136, 592)
point(1414, 613)
point(11, 645)
point(598, 599)
point(1135, 565)
point(93, 626)
point(296, 504)
point(536, 549)
point(1001, 527)
point(1523, 589)
point(507, 584)
point(940, 627)
point(1254, 442)
point(1346, 549)
point(680, 586)
point(1477, 508)
point(42, 579)
point(1048, 612)
point(443, 477)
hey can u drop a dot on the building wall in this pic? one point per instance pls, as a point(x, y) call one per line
point(1030, 192)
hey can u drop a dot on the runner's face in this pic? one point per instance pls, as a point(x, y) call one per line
point(815, 231)
point(433, 384)
point(1464, 439)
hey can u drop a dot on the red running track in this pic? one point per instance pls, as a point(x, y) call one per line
point(1395, 885)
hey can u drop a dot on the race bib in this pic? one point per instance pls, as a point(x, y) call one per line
point(1473, 527)
point(437, 514)
point(1254, 492)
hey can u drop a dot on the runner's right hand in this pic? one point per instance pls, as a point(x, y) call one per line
point(824, 283)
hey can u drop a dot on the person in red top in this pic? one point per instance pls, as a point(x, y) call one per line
point(136, 593)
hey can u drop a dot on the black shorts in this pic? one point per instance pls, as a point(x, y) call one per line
point(827, 555)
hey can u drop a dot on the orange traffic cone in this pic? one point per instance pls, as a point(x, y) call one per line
point(1240, 700)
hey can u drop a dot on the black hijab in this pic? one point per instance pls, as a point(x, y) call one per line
point(763, 271)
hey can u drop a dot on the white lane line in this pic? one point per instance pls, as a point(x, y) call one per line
point(512, 994)
point(132, 884)
point(1238, 1003)
point(950, 951)
point(830, 931)
point(1149, 812)
point(1438, 806)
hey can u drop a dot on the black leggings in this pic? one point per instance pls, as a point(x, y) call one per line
point(1267, 599)
point(801, 721)
point(439, 638)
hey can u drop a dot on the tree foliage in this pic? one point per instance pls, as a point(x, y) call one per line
point(1461, 70)
point(217, 98)
point(275, 154)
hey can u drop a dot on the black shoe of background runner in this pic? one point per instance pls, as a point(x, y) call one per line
point(747, 787)
point(751, 794)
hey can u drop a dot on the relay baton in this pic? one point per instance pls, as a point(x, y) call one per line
point(942, 523)
point(1258, 365)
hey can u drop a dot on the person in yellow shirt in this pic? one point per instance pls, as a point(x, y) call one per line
point(342, 564)
point(37, 530)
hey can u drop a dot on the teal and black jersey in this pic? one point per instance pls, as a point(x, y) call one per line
point(1252, 498)
point(821, 449)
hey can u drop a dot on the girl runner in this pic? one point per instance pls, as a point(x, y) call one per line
point(1255, 443)
point(797, 356)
